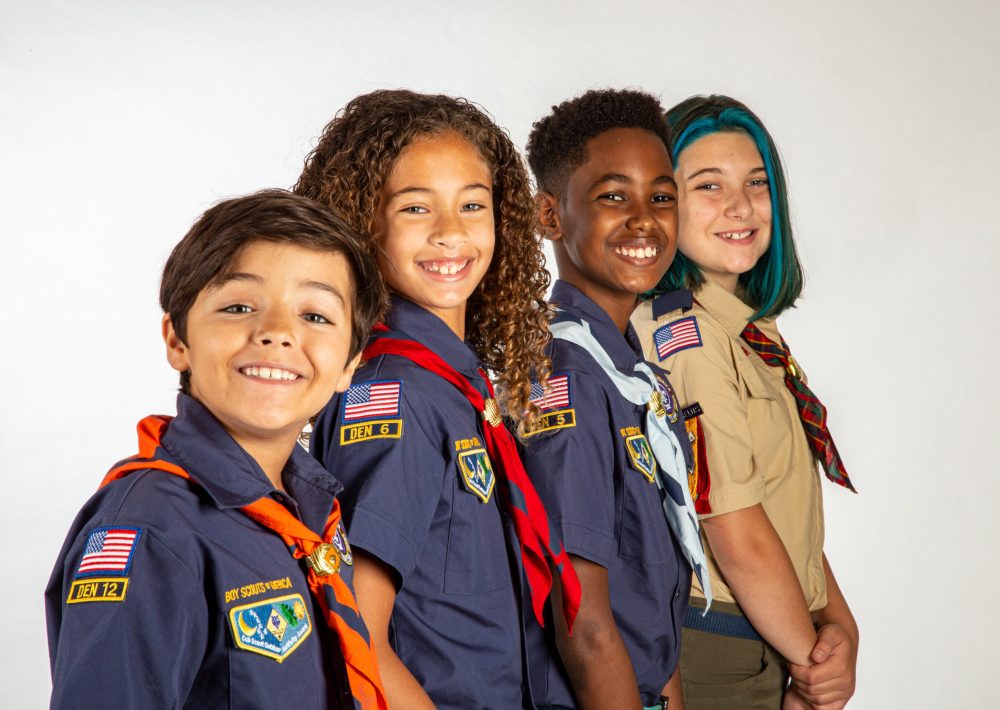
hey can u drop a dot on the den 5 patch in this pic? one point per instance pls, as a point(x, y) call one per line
point(555, 403)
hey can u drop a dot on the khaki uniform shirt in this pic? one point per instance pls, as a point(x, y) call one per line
point(756, 446)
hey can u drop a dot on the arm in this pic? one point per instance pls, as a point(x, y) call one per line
point(376, 595)
point(673, 691)
point(595, 656)
point(829, 684)
point(757, 568)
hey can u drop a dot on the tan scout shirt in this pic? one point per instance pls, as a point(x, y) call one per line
point(756, 447)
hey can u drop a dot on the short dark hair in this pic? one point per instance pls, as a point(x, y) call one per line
point(214, 243)
point(558, 142)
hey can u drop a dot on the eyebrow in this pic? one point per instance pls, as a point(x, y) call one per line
point(307, 283)
point(718, 171)
point(625, 179)
point(427, 190)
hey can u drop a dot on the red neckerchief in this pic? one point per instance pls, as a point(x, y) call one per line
point(811, 410)
point(331, 592)
point(531, 523)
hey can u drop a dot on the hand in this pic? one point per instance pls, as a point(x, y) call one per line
point(828, 684)
point(793, 701)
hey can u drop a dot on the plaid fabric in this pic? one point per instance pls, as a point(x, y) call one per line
point(811, 410)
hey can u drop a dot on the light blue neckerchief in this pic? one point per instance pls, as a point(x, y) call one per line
point(671, 473)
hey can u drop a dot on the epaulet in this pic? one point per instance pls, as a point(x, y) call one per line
point(682, 299)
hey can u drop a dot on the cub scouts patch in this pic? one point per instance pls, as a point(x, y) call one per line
point(477, 472)
point(273, 627)
point(375, 406)
point(640, 453)
point(674, 337)
point(699, 479)
point(669, 399)
point(108, 552)
point(341, 544)
point(555, 405)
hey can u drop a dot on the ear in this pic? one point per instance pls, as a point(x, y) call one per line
point(345, 378)
point(548, 215)
point(177, 352)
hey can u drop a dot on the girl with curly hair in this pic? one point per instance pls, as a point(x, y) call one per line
point(445, 202)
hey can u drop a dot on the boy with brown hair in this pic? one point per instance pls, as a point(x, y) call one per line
point(211, 569)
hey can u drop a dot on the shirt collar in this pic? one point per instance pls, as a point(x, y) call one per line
point(232, 478)
point(626, 351)
point(725, 307)
point(419, 324)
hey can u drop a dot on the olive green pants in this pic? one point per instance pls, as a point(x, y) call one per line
point(733, 673)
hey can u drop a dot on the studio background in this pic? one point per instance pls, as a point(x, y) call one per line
point(121, 122)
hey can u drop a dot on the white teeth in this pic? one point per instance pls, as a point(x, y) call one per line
point(736, 236)
point(638, 252)
point(448, 268)
point(269, 373)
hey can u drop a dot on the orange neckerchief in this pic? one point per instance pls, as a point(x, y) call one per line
point(330, 591)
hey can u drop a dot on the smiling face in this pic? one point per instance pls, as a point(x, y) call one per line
point(436, 218)
point(268, 345)
point(725, 206)
point(615, 227)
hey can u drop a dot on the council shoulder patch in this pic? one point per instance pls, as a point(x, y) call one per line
point(668, 399)
point(699, 477)
point(475, 467)
point(674, 337)
point(639, 452)
point(371, 411)
point(271, 627)
point(108, 552)
point(341, 544)
point(555, 403)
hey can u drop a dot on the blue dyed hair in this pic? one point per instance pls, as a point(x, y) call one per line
point(775, 281)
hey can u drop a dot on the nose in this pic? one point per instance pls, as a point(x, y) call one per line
point(449, 230)
point(739, 205)
point(641, 219)
point(275, 328)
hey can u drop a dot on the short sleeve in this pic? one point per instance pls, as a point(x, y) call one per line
point(707, 375)
point(134, 640)
point(572, 467)
point(393, 475)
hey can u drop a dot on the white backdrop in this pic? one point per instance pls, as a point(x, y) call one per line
point(119, 124)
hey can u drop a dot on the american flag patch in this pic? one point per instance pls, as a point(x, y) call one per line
point(108, 551)
point(372, 399)
point(679, 335)
point(557, 396)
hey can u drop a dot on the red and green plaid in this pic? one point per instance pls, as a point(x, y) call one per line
point(811, 410)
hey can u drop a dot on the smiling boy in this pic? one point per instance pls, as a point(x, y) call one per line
point(182, 581)
point(610, 455)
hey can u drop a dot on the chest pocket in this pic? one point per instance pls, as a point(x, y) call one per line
point(476, 560)
point(645, 537)
point(769, 414)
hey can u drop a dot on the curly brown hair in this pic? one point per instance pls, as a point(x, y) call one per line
point(507, 316)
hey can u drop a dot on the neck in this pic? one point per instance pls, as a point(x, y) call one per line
point(729, 282)
point(618, 306)
point(271, 456)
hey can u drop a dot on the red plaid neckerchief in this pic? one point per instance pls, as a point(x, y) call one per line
point(531, 523)
point(331, 592)
point(811, 410)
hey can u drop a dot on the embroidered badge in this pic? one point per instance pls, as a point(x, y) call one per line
point(108, 552)
point(674, 337)
point(98, 589)
point(699, 478)
point(272, 627)
point(375, 408)
point(639, 452)
point(668, 399)
point(474, 464)
point(341, 544)
point(555, 405)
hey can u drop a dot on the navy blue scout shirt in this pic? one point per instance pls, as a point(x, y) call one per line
point(605, 506)
point(419, 495)
point(165, 595)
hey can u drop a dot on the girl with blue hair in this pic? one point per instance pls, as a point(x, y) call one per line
point(758, 429)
